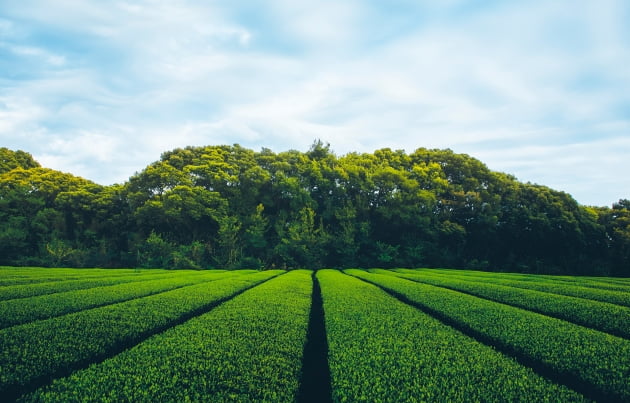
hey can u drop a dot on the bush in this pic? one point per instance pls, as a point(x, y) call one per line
point(155, 252)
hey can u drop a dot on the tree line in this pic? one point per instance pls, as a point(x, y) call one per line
point(231, 207)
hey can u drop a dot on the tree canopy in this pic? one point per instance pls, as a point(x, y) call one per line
point(231, 207)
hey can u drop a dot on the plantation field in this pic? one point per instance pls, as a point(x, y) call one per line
point(281, 336)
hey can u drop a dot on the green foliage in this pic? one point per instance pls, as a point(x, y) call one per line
point(223, 206)
point(255, 355)
point(10, 160)
point(579, 290)
point(17, 311)
point(48, 347)
point(385, 254)
point(603, 316)
point(617, 224)
point(155, 253)
point(598, 360)
point(55, 277)
point(383, 350)
point(59, 251)
point(51, 285)
point(161, 335)
point(302, 240)
point(229, 246)
point(193, 256)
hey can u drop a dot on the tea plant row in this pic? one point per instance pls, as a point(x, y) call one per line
point(18, 311)
point(599, 362)
point(249, 348)
point(381, 349)
point(395, 335)
point(574, 289)
point(60, 285)
point(604, 316)
point(36, 351)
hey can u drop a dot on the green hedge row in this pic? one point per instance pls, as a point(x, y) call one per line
point(608, 290)
point(381, 349)
point(24, 310)
point(610, 318)
point(45, 349)
point(247, 349)
point(52, 287)
point(32, 275)
point(597, 360)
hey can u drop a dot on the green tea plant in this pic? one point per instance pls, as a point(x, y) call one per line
point(52, 287)
point(548, 285)
point(17, 311)
point(381, 349)
point(47, 348)
point(607, 317)
point(598, 361)
point(247, 349)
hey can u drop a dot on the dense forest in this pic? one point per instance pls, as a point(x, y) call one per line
point(231, 207)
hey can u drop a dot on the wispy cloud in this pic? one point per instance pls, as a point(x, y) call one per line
point(537, 89)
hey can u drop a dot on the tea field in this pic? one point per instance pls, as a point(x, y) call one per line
point(281, 336)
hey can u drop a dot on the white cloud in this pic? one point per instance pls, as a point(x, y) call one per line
point(17, 115)
point(325, 26)
point(84, 154)
point(519, 86)
point(590, 171)
point(88, 146)
point(41, 54)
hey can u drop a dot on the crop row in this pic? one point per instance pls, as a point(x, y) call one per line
point(381, 349)
point(167, 344)
point(31, 275)
point(610, 318)
point(18, 311)
point(554, 287)
point(37, 351)
point(596, 282)
point(595, 361)
point(607, 283)
point(249, 348)
point(52, 287)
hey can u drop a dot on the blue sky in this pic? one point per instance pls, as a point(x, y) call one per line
point(538, 89)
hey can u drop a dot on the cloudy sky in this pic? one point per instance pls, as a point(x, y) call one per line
point(538, 89)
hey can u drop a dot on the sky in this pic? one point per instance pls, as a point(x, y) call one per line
point(535, 88)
